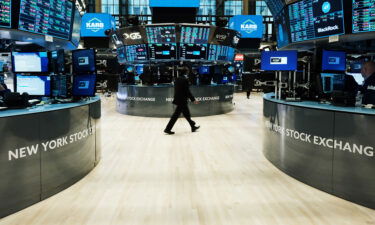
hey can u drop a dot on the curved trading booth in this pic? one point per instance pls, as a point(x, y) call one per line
point(46, 149)
point(160, 51)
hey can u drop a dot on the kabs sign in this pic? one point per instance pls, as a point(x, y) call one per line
point(95, 24)
point(249, 26)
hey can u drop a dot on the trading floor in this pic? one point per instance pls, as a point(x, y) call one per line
point(217, 176)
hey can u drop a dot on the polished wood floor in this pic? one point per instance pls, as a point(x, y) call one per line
point(217, 176)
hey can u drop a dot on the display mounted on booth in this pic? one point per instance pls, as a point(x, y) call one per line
point(95, 24)
point(249, 26)
point(175, 3)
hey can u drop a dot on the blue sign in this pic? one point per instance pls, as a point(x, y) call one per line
point(175, 3)
point(249, 26)
point(279, 60)
point(333, 60)
point(95, 24)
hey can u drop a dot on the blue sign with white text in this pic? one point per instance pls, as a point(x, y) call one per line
point(250, 26)
point(175, 3)
point(95, 24)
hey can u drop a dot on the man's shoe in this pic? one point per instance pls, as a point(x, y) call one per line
point(195, 128)
point(168, 132)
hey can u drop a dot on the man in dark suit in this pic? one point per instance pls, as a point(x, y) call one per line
point(181, 95)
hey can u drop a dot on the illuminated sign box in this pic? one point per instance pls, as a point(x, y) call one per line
point(95, 24)
point(249, 26)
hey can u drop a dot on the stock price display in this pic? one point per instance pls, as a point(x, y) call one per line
point(52, 17)
point(193, 51)
point(5, 13)
point(363, 16)
point(195, 35)
point(310, 19)
point(136, 52)
point(161, 35)
point(218, 52)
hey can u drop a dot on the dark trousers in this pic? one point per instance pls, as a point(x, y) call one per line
point(184, 109)
point(248, 94)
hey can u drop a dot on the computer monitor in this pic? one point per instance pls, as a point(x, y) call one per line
point(57, 60)
point(332, 82)
point(279, 60)
point(59, 85)
point(84, 61)
point(333, 61)
point(34, 85)
point(139, 69)
point(84, 85)
point(204, 70)
point(29, 62)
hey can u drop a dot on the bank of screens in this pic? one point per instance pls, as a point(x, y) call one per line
point(33, 85)
point(311, 19)
point(161, 34)
point(6, 13)
point(333, 61)
point(194, 35)
point(59, 85)
point(53, 18)
point(363, 16)
point(219, 52)
point(136, 52)
point(57, 61)
point(279, 60)
point(29, 62)
point(332, 82)
point(163, 51)
point(84, 85)
point(193, 51)
point(84, 61)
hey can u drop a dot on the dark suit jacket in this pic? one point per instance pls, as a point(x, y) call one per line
point(368, 90)
point(182, 92)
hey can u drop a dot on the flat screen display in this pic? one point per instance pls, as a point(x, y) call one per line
point(161, 34)
point(59, 85)
point(121, 55)
point(363, 15)
point(218, 52)
point(33, 85)
point(163, 51)
point(6, 13)
point(52, 18)
point(84, 61)
point(193, 51)
point(279, 60)
point(332, 82)
point(84, 85)
point(282, 30)
point(76, 31)
point(311, 19)
point(204, 70)
point(194, 35)
point(275, 6)
point(136, 52)
point(139, 69)
point(29, 62)
point(333, 61)
point(57, 61)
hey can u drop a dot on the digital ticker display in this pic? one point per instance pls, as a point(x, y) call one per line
point(52, 17)
point(193, 51)
point(363, 16)
point(161, 34)
point(194, 35)
point(311, 19)
point(136, 52)
point(5, 13)
point(163, 51)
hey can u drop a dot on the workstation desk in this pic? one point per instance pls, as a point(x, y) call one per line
point(46, 149)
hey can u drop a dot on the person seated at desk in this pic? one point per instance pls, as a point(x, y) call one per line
point(368, 87)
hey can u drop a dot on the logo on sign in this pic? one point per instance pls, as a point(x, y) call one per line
point(334, 60)
point(326, 7)
point(279, 60)
point(94, 25)
point(221, 37)
point(249, 26)
point(133, 36)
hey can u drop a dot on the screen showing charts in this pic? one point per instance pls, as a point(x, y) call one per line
point(161, 35)
point(33, 85)
point(363, 16)
point(163, 51)
point(218, 52)
point(5, 13)
point(193, 51)
point(136, 52)
point(52, 17)
point(275, 6)
point(24, 62)
point(279, 60)
point(310, 19)
point(84, 85)
point(334, 60)
point(194, 35)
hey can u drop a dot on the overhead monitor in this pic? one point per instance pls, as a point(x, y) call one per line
point(76, 30)
point(194, 35)
point(136, 53)
point(29, 62)
point(163, 51)
point(279, 60)
point(275, 6)
point(33, 85)
point(333, 61)
point(311, 19)
point(84, 85)
point(53, 18)
point(6, 13)
point(363, 16)
point(161, 34)
point(193, 51)
point(282, 30)
point(84, 61)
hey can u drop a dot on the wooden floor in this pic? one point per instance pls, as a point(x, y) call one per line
point(217, 176)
